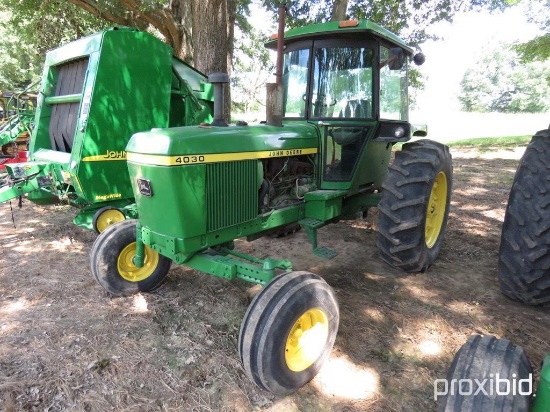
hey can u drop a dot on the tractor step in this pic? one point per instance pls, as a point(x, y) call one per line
point(325, 252)
point(311, 225)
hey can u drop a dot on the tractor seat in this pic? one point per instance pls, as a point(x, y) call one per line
point(356, 109)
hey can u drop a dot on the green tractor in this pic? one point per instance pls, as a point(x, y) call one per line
point(524, 257)
point(524, 273)
point(493, 375)
point(95, 93)
point(338, 107)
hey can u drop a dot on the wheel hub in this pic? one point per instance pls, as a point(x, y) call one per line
point(306, 340)
point(129, 271)
point(435, 213)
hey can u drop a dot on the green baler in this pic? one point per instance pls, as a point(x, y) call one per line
point(339, 107)
point(95, 93)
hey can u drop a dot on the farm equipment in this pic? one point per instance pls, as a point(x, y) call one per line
point(490, 374)
point(524, 258)
point(339, 106)
point(17, 117)
point(95, 93)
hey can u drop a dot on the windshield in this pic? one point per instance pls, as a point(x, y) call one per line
point(342, 83)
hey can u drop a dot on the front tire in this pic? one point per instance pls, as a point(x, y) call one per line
point(414, 207)
point(288, 332)
point(480, 361)
point(112, 265)
point(524, 255)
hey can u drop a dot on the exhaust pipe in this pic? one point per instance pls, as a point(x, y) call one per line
point(274, 98)
point(218, 80)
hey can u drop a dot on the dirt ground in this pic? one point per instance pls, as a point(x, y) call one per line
point(65, 344)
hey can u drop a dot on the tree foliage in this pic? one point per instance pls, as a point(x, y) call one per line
point(199, 31)
point(252, 67)
point(499, 82)
point(409, 19)
point(29, 28)
point(539, 47)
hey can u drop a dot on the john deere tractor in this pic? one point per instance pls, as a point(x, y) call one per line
point(339, 106)
point(95, 93)
point(503, 376)
point(524, 255)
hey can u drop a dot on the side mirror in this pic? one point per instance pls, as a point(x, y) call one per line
point(419, 59)
point(396, 59)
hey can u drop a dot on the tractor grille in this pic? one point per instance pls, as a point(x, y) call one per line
point(231, 193)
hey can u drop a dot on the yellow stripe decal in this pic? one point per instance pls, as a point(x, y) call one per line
point(214, 157)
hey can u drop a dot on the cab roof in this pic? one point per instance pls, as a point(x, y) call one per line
point(342, 29)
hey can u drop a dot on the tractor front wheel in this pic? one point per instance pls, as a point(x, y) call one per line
point(288, 332)
point(414, 207)
point(489, 375)
point(112, 262)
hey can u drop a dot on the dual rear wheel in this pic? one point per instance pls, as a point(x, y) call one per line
point(487, 375)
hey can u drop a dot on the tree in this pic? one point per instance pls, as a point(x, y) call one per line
point(32, 28)
point(252, 67)
point(199, 31)
point(499, 82)
point(539, 47)
point(408, 19)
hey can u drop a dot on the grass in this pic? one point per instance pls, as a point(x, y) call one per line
point(507, 142)
point(483, 144)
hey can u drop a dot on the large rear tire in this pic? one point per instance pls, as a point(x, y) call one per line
point(111, 260)
point(524, 254)
point(414, 207)
point(472, 384)
point(288, 332)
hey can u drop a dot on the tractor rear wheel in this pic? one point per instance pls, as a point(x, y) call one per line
point(112, 264)
point(487, 374)
point(524, 254)
point(414, 207)
point(105, 217)
point(288, 332)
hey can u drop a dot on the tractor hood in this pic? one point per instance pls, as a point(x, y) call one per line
point(206, 144)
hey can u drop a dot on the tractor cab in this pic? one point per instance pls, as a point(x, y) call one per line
point(350, 79)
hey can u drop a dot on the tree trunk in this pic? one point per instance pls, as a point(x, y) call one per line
point(200, 31)
point(213, 22)
point(339, 10)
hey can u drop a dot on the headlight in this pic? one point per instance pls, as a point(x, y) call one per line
point(399, 132)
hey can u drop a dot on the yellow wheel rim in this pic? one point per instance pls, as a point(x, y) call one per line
point(436, 209)
point(131, 272)
point(107, 218)
point(306, 340)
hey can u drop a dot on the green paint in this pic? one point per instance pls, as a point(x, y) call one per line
point(112, 84)
point(542, 399)
point(199, 187)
